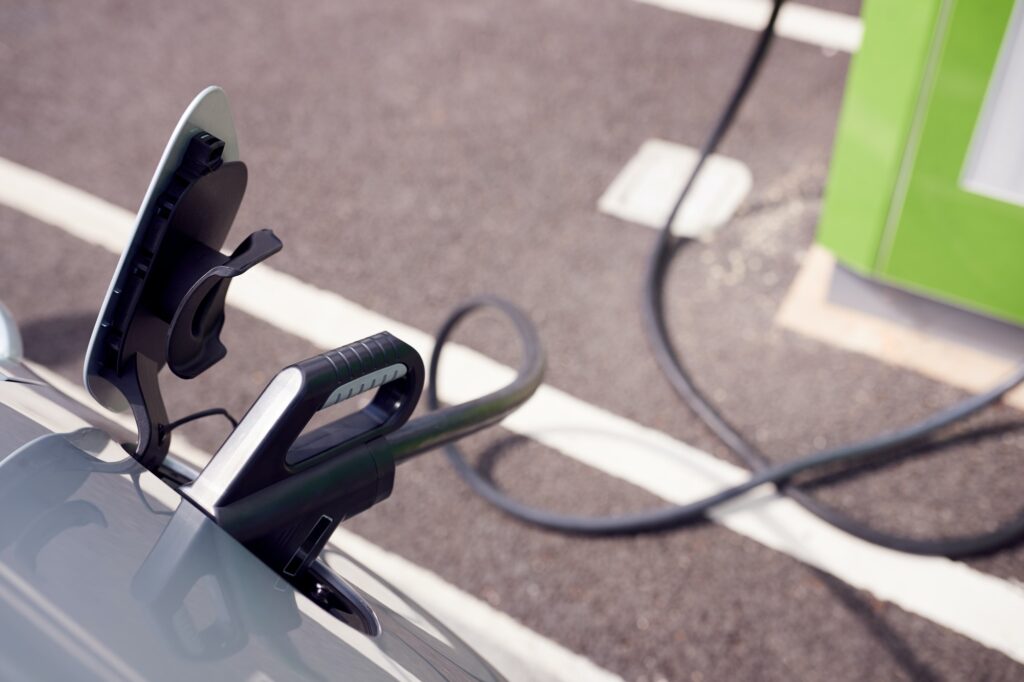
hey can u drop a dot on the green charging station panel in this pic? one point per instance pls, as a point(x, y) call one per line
point(926, 188)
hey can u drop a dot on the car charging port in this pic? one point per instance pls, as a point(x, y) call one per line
point(328, 591)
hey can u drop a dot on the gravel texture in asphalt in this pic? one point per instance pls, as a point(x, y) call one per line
point(413, 154)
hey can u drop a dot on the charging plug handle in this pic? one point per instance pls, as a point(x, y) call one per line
point(340, 478)
point(340, 469)
point(334, 475)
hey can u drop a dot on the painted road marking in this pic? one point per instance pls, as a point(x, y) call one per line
point(807, 310)
point(975, 604)
point(646, 189)
point(496, 635)
point(812, 25)
point(514, 649)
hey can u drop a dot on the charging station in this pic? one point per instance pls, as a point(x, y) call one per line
point(926, 188)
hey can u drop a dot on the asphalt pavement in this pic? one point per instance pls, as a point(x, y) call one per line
point(411, 155)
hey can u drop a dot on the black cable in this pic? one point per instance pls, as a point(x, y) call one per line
point(763, 471)
point(675, 516)
point(440, 427)
point(201, 414)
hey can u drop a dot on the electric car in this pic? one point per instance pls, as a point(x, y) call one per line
point(119, 560)
point(106, 572)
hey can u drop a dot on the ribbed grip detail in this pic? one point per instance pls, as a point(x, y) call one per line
point(363, 357)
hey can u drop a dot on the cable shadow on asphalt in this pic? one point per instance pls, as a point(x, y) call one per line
point(877, 628)
point(493, 454)
point(862, 608)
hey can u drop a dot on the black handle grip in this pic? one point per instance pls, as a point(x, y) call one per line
point(380, 361)
point(287, 522)
point(341, 467)
point(267, 448)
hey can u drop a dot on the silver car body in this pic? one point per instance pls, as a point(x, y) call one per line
point(106, 573)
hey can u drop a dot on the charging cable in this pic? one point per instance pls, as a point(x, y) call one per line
point(919, 435)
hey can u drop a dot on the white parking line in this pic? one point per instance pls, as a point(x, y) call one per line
point(646, 189)
point(975, 604)
point(514, 649)
point(517, 651)
point(824, 28)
